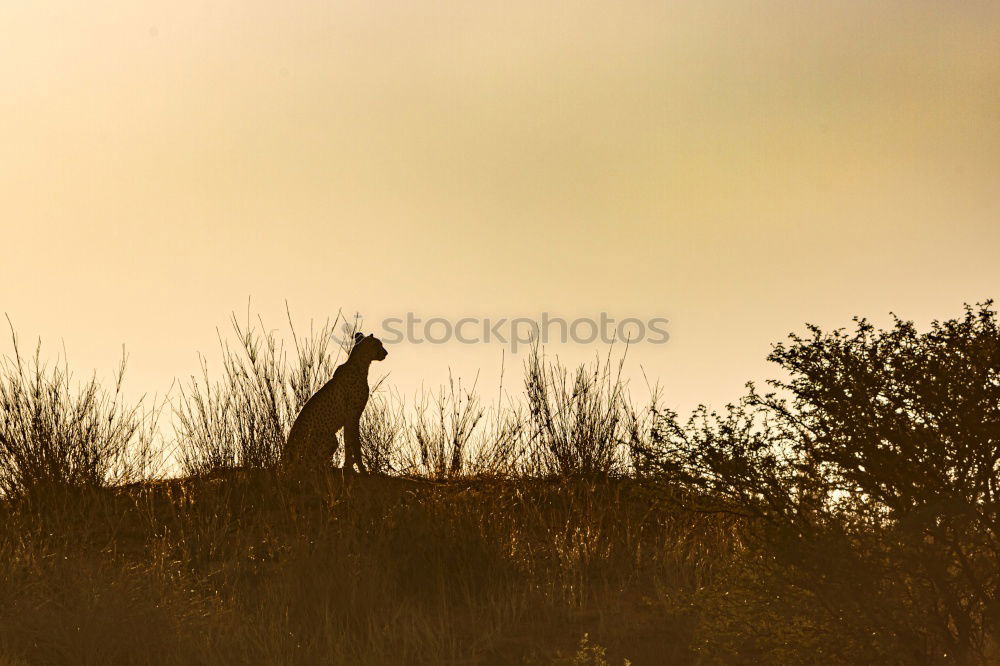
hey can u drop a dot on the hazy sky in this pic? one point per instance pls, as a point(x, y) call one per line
point(737, 167)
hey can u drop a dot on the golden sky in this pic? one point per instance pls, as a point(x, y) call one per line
point(737, 167)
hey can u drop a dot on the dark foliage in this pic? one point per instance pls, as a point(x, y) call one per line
point(872, 476)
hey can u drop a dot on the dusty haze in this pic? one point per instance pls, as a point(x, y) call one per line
point(739, 168)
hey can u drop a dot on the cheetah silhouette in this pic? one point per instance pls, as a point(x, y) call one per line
point(339, 404)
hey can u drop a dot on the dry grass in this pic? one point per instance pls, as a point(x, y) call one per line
point(560, 525)
point(246, 568)
point(55, 434)
point(241, 419)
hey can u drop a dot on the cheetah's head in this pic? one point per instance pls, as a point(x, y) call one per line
point(368, 347)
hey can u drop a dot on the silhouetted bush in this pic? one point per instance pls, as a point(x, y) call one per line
point(872, 475)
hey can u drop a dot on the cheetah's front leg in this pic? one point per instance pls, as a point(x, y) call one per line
point(330, 450)
point(352, 446)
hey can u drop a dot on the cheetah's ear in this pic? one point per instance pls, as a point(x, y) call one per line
point(358, 337)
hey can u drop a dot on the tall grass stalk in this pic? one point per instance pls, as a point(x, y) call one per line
point(580, 423)
point(444, 428)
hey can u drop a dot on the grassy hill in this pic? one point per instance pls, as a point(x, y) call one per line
point(851, 516)
point(251, 568)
